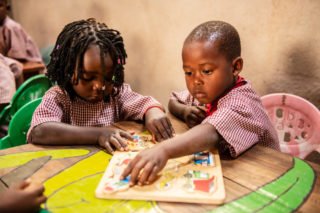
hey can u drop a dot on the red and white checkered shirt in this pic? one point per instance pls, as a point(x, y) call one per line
point(56, 106)
point(241, 120)
point(185, 97)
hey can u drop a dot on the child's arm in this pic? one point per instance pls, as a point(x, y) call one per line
point(192, 115)
point(56, 133)
point(145, 167)
point(158, 124)
point(22, 198)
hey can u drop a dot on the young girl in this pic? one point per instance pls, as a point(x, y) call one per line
point(87, 65)
point(235, 119)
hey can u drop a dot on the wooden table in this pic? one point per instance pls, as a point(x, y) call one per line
point(32, 68)
point(260, 179)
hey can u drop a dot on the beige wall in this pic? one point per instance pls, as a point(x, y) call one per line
point(280, 39)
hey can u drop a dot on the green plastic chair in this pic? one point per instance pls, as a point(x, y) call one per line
point(19, 125)
point(5, 115)
point(33, 88)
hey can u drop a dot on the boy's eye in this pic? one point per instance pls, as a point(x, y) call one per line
point(207, 72)
point(188, 73)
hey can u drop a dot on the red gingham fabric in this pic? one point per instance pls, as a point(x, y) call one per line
point(56, 106)
point(185, 97)
point(240, 119)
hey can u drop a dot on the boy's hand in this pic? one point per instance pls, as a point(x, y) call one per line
point(193, 115)
point(114, 139)
point(144, 168)
point(22, 197)
point(158, 124)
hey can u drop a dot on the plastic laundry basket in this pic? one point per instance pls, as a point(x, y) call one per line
point(297, 122)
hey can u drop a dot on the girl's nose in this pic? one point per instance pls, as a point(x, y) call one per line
point(98, 85)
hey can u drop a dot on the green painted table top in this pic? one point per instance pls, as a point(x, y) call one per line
point(260, 180)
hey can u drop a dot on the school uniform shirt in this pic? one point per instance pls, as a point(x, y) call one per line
point(56, 106)
point(16, 43)
point(7, 82)
point(184, 97)
point(241, 120)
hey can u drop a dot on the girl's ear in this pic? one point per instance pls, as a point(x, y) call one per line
point(74, 79)
point(237, 64)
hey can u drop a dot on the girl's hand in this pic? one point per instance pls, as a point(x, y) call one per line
point(114, 139)
point(158, 124)
point(144, 168)
point(193, 115)
point(22, 197)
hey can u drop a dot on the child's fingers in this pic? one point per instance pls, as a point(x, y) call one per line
point(153, 174)
point(163, 132)
point(148, 168)
point(133, 169)
point(126, 135)
point(41, 199)
point(168, 127)
point(202, 108)
point(154, 132)
point(21, 185)
point(108, 147)
point(161, 129)
point(38, 190)
point(199, 112)
point(116, 141)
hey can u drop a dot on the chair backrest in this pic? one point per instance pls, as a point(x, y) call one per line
point(297, 122)
point(19, 125)
point(5, 115)
point(33, 88)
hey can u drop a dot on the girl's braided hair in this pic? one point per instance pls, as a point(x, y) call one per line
point(71, 46)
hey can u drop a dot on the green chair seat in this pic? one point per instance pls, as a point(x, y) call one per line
point(19, 125)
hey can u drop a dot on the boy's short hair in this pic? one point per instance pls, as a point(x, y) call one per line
point(225, 34)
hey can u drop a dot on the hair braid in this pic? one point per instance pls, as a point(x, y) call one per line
point(73, 42)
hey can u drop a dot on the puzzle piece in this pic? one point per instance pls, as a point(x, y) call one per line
point(140, 141)
point(203, 159)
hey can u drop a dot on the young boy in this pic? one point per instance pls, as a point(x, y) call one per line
point(235, 118)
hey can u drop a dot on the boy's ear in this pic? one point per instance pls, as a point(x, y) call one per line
point(237, 64)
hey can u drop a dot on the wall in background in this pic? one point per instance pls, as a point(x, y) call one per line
point(280, 39)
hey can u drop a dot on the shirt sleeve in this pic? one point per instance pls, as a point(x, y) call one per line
point(236, 122)
point(184, 97)
point(7, 82)
point(21, 44)
point(134, 105)
point(51, 109)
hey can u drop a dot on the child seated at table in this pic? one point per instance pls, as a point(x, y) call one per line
point(7, 83)
point(14, 40)
point(87, 64)
point(22, 197)
point(235, 119)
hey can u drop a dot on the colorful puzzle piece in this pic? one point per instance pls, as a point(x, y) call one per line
point(140, 141)
point(203, 159)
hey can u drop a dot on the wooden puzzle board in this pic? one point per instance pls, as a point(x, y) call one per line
point(182, 180)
